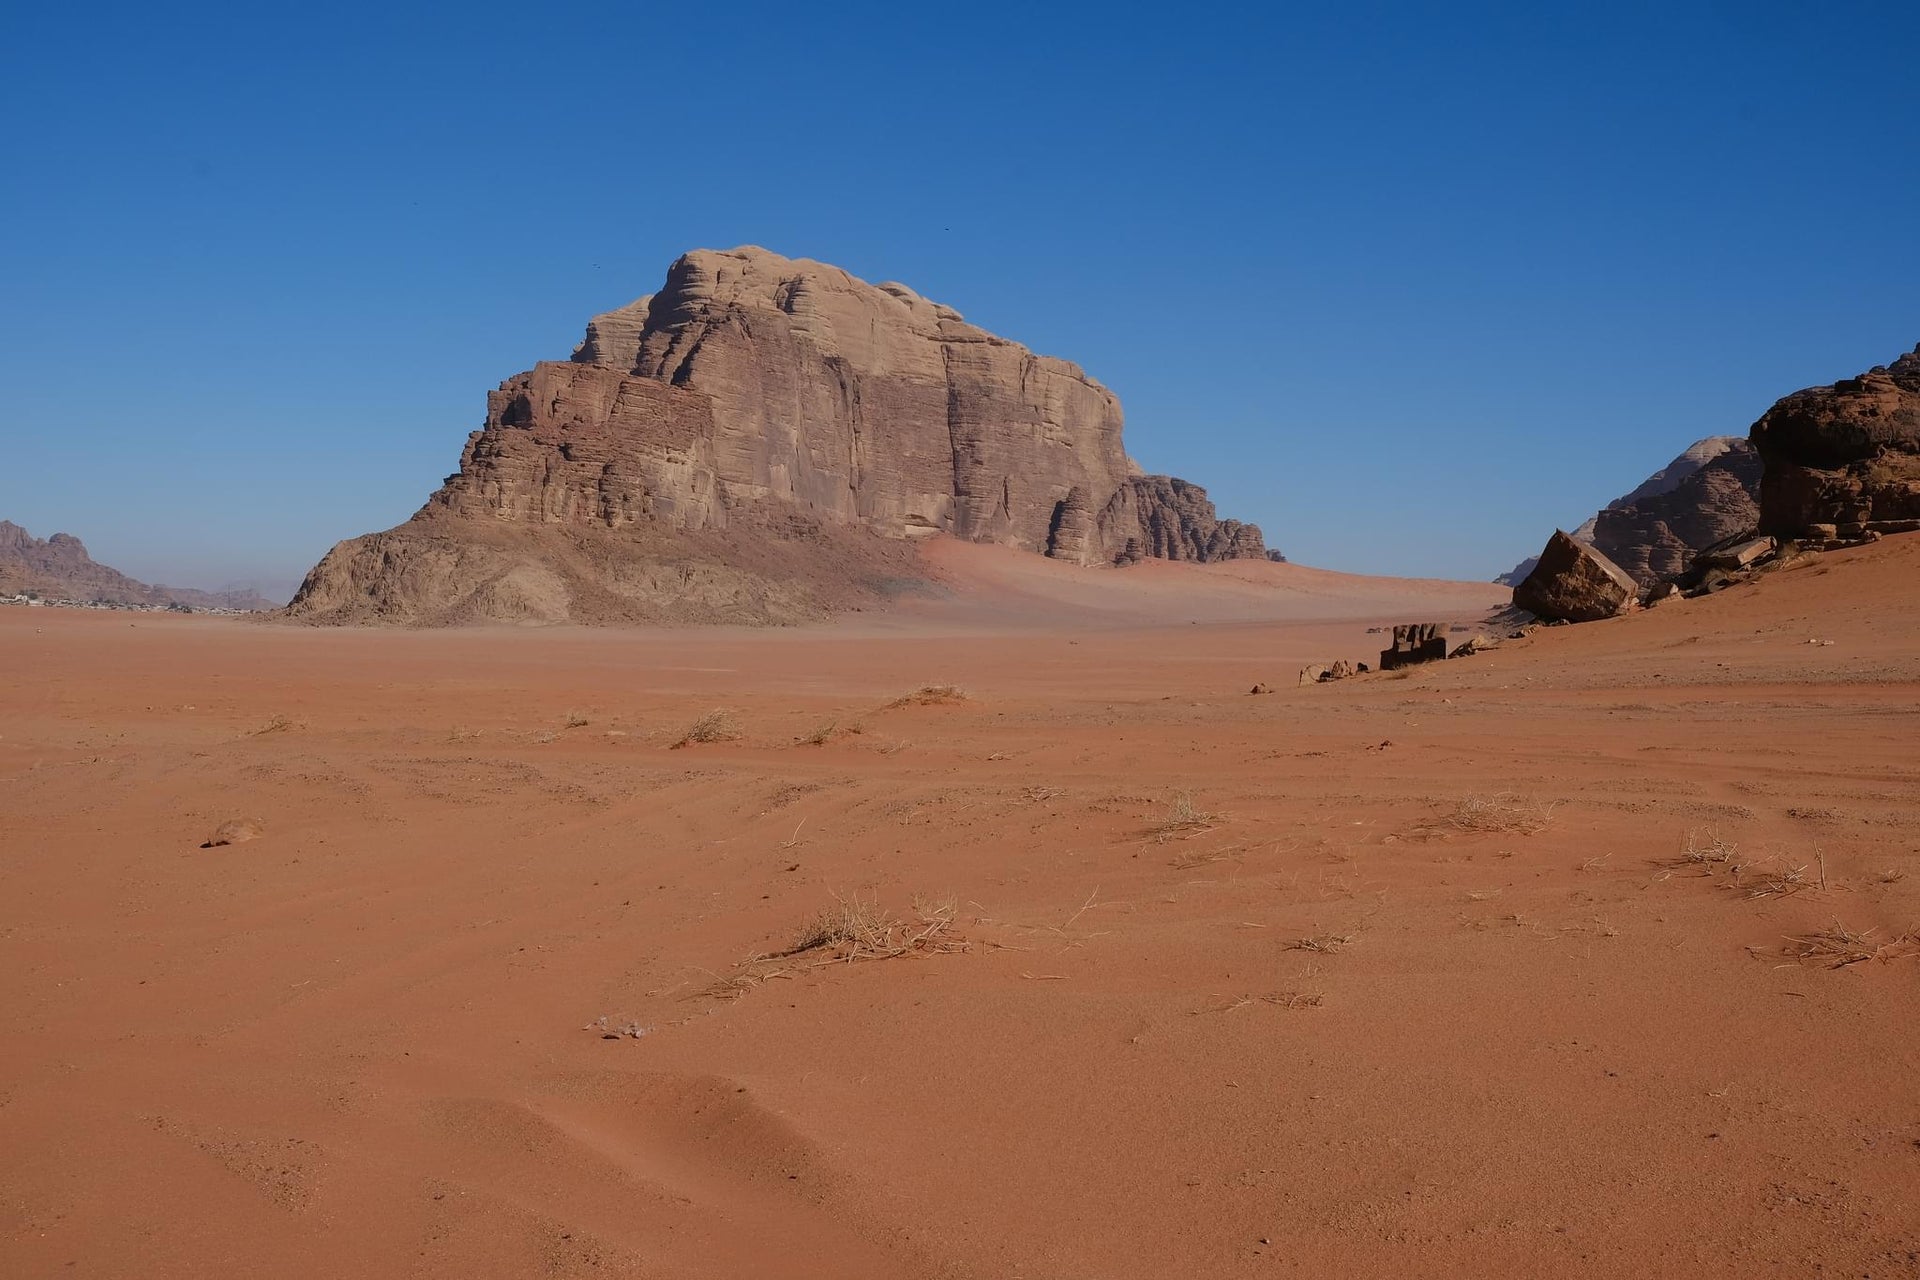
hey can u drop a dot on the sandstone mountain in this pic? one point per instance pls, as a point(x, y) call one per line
point(1707, 494)
point(1846, 458)
point(761, 440)
point(59, 568)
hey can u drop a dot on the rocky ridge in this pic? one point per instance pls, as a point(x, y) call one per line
point(758, 441)
point(60, 569)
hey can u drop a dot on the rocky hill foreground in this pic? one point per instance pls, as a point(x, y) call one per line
point(762, 441)
point(1709, 493)
point(1825, 467)
point(59, 569)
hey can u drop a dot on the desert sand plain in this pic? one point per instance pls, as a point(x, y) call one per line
point(1404, 975)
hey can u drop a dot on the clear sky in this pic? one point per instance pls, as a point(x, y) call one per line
point(1408, 284)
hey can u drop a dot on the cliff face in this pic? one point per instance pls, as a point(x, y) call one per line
point(1847, 455)
point(753, 389)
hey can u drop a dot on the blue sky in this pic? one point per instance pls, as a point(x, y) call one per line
point(1408, 284)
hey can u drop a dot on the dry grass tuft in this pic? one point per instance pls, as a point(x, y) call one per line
point(1783, 883)
point(575, 720)
point(1190, 859)
point(1504, 812)
point(823, 733)
point(1281, 999)
point(1706, 849)
point(1184, 820)
point(1837, 946)
point(717, 725)
point(1321, 943)
point(929, 695)
point(851, 929)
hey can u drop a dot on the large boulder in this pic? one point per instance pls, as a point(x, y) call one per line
point(1572, 582)
point(1847, 455)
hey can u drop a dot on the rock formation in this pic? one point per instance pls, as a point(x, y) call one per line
point(59, 568)
point(1656, 536)
point(1707, 494)
point(727, 449)
point(1575, 583)
point(1844, 459)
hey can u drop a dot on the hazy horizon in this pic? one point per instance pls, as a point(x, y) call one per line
point(1406, 286)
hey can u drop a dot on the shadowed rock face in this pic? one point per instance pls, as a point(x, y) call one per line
point(1655, 537)
point(752, 385)
point(1572, 582)
point(1707, 494)
point(1846, 455)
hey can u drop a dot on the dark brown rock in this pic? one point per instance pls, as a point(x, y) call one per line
point(1655, 537)
point(1844, 455)
point(1575, 583)
point(1415, 642)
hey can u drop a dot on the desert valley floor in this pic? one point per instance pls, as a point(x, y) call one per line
point(1404, 975)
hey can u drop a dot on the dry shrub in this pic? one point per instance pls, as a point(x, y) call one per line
point(1837, 946)
point(929, 695)
point(1503, 812)
point(820, 735)
point(1282, 999)
point(1202, 857)
point(1183, 819)
point(1778, 883)
point(1706, 850)
point(1321, 943)
point(851, 929)
point(717, 725)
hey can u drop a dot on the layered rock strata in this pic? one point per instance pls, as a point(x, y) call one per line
point(750, 392)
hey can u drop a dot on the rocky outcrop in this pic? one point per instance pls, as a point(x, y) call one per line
point(1575, 583)
point(1655, 536)
point(753, 391)
point(1707, 494)
point(59, 568)
point(1846, 456)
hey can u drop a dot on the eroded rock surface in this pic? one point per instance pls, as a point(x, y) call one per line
point(752, 390)
point(1572, 582)
point(1708, 493)
point(1847, 455)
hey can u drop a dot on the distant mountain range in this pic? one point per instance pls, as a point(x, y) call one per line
point(59, 568)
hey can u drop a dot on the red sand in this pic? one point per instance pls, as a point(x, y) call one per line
point(355, 1046)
